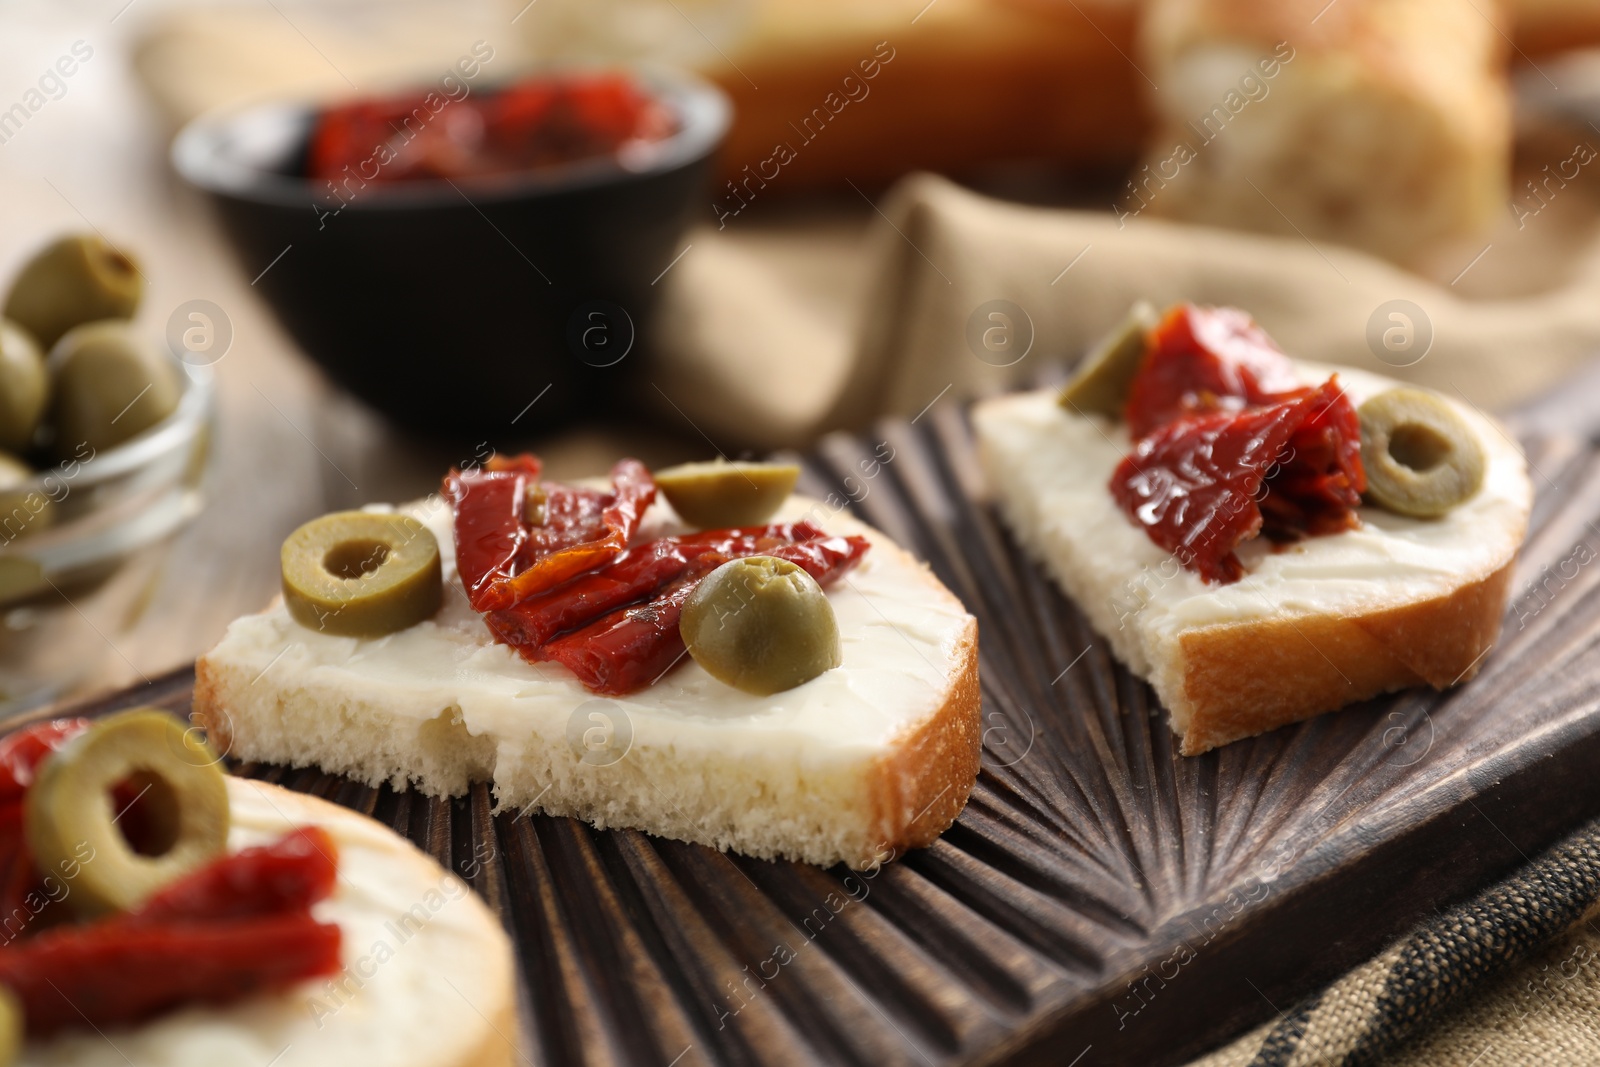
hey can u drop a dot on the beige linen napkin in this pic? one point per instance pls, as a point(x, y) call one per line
point(753, 363)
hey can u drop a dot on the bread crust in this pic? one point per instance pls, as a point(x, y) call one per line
point(1040, 81)
point(1547, 26)
point(208, 710)
point(493, 1048)
point(916, 791)
point(1243, 679)
point(920, 788)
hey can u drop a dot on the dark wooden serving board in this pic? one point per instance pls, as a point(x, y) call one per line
point(1102, 900)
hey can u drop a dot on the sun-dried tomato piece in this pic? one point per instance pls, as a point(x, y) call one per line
point(1200, 360)
point(628, 649)
point(22, 752)
point(1199, 485)
point(115, 973)
point(504, 558)
point(633, 576)
point(546, 120)
point(239, 925)
point(289, 874)
point(1318, 485)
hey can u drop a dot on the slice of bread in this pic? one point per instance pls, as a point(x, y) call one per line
point(1311, 627)
point(427, 980)
point(857, 765)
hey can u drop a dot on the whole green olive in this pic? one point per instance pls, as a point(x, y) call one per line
point(762, 625)
point(24, 387)
point(1421, 456)
point(1102, 380)
point(22, 511)
point(361, 573)
point(110, 384)
point(74, 279)
point(71, 824)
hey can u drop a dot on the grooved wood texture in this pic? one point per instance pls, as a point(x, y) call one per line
point(1102, 900)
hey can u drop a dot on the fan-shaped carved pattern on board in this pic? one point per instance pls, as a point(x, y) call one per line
point(1102, 899)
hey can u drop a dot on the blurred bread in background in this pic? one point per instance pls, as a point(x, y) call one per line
point(1545, 26)
point(1384, 124)
point(824, 91)
point(866, 91)
point(1381, 124)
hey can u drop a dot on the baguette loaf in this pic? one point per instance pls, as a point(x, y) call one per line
point(843, 90)
point(857, 765)
point(973, 82)
point(1381, 124)
point(427, 980)
point(1311, 627)
point(1545, 26)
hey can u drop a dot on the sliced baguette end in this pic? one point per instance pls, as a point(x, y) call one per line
point(1244, 679)
point(921, 786)
point(1248, 673)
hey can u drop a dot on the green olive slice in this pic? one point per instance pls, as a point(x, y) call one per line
point(719, 495)
point(76, 279)
point(110, 384)
point(24, 387)
point(762, 625)
point(361, 573)
point(1421, 456)
point(72, 824)
point(1102, 380)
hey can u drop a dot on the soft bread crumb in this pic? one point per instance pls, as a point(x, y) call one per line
point(821, 817)
point(1385, 126)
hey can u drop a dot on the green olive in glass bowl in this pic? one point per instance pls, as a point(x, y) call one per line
point(86, 535)
point(761, 625)
point(111, 383)
point(24, 387)
point(75, 279)
point(24, 512)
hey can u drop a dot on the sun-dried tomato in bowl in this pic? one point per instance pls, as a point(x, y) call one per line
point(548, 120)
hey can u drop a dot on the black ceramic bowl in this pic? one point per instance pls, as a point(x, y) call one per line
point(451, 307)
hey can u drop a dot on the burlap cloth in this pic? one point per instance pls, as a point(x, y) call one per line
point(791, 322)
point(1508, 979)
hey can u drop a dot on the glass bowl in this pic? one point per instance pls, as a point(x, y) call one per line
point(82, 543)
